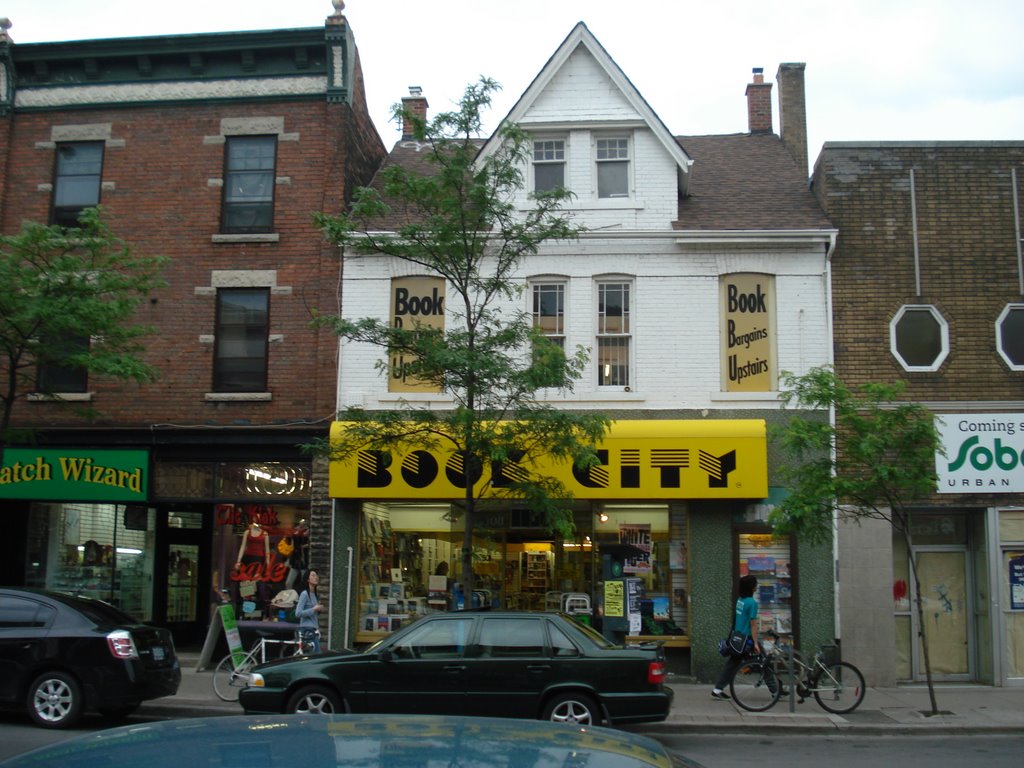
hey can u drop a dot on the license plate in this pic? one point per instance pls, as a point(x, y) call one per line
point(158, 653)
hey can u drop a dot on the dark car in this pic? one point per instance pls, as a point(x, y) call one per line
point(381, 741)
point(61, 655)
point(487, 663)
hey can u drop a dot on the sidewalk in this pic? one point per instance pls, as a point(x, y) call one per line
point(965, 709)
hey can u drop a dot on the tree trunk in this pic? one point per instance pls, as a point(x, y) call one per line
point(922, 636)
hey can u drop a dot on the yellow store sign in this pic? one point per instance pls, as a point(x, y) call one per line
point(644, 459)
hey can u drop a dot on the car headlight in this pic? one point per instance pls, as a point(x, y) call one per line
point(256, 680)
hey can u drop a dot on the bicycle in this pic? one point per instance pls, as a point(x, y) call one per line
point(231, 675)
point(757, 685)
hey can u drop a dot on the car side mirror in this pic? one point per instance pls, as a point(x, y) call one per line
point(386, 655)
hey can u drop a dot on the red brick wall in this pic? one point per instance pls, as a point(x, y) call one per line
point(162, 204)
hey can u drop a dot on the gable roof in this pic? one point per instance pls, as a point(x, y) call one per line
point(581, 37)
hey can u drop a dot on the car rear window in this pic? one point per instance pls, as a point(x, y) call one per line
point(97, 611)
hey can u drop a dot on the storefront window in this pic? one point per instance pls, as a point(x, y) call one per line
point(410, 563)
point(260, 554)
point(768, 557)
point(103, 551)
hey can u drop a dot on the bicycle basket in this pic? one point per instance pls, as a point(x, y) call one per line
point(829, 653)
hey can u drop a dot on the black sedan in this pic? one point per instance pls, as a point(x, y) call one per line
point(61, 655)
point(499, 664)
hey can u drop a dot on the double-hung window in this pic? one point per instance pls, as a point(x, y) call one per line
point(612, 166)
point(76, 180)
point(549, 311)
point(613, 333)
point(249, 184)
point(240, 361)
point(548, 164)
point(59, 373)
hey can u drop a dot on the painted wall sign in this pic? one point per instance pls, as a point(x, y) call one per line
point(748, 332)
point(415, 302)
point(643, 459)
point(74, 474)
point(984, 453)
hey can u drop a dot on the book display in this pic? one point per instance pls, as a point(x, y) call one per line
point(768, 558)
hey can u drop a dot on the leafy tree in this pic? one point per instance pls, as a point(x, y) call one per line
point(489, 359)
point(66, 284)
point(873, 461)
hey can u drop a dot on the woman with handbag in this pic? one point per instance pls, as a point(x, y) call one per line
point(744, 624)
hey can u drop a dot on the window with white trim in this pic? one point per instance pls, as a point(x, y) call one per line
point(919, 337)
point(612, 157)
point(613, 333)
point(548, 164)
point(549, 311)
point(1010, 336)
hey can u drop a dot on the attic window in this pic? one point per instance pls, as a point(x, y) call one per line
point(548, 164)
point(613, 167)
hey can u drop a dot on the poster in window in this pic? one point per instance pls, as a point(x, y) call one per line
point(748, 332)
point(639, 536)
point(1016, 574)
point(416, 302)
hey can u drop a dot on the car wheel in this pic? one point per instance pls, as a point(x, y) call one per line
point(315, 700)
point(55, 700)
point(572, 708)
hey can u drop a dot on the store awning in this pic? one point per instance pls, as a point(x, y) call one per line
point(644, 459)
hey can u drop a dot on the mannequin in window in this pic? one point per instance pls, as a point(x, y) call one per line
point(255, 548)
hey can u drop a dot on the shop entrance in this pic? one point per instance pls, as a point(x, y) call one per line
point(947, 604)
point(182, 567)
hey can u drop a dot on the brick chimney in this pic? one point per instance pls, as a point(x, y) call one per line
point(793, 112)
point(414, 104)
point(759, 103)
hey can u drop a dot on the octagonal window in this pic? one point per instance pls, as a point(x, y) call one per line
point(919, 337)
point(1010, 335)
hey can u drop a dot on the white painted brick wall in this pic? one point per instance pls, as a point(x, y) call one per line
point(676, 354)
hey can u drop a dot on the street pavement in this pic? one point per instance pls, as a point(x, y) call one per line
point(964, 708)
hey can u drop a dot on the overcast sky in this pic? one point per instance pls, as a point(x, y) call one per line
point(878, 70)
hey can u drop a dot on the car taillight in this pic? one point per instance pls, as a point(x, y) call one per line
point(656, 672)
point(121, 645)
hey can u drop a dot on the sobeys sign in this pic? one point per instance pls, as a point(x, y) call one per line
point(984, 453)
point(74, 474)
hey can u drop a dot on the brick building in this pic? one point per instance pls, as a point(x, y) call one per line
point(705, 259)
point(212, 150)
point(928, 288)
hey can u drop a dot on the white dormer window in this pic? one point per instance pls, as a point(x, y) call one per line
point(548, 164)
point(612, 166)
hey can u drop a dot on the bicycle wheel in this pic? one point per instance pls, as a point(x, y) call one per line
point(839, 688)
point(755, 687)
point(229, 681)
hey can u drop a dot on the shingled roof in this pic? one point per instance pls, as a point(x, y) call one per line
point(746, 181)
point(738, 182)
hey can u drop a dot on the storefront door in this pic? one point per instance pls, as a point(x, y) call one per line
point(1012, 603)
point(948, 611)
point(181, 570)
